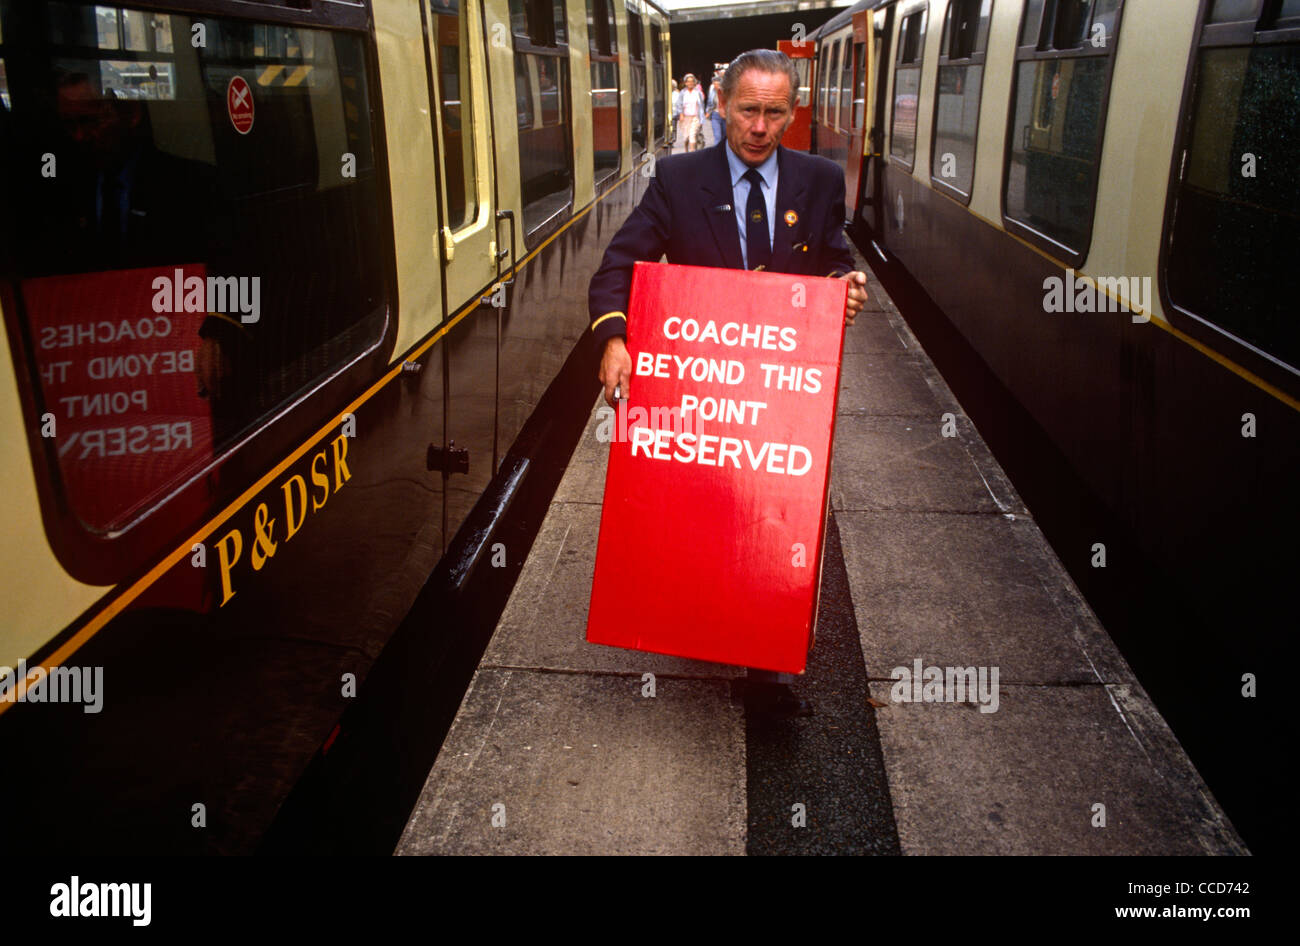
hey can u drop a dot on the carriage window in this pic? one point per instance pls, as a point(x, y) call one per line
point(1235, 220)
point(803, 67)
point(1069, 23)
point(1058, 105)
point(1030, 24)
point(636, 57)
point(907, 87)
point(1102, 23)
point(833, 85)
point(846, 85)
point(561, 26)
point(1231, 11)
point(957, 97)
point(542, 106)
point(635, 35)
point(859, 85)
point(4, 79)
point(657, 82)
point(605, 119)
point(823, 74)
point(200, 244)
point(451, 30)
point(519, 18)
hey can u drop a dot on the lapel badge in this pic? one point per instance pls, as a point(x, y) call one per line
point(791, 218)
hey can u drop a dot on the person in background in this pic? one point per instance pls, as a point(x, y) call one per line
point(711, 110)
point(677, 111)
point(692, 110)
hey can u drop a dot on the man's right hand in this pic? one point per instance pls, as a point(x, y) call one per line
point(615, 369)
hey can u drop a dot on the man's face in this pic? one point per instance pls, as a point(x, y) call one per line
point(91, 120)
point(757, 113)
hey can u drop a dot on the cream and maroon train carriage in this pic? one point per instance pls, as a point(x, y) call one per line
point(285, 285)
point(1098, 196)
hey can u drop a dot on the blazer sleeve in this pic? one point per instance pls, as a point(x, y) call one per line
point(644, 236)
point(837, 258)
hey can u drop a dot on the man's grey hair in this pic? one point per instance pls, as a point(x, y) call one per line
point(764, 60)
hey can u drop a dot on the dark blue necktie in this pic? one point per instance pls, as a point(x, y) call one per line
point(758, 245)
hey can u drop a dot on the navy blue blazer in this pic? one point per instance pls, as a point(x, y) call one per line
point(681, 216)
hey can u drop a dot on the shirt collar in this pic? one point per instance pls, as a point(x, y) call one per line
point(766, 170)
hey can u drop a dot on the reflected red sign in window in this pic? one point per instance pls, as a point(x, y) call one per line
point(119, 378)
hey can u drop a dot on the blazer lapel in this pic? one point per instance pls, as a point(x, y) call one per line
point(789, 199)
point(722, 223)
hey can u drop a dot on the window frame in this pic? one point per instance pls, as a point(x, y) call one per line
point(656, 95)
point(977, 57)
point(480, 145)
point(1217, 35)
point(110, 558)
point(1036, 53)
point(822, 89)
point(858, 117)
point(844, 114)
point(595, 54)
point(543, 30)
point(807, 69)
point(636, 58)
point(918, 66)
point(833, 85)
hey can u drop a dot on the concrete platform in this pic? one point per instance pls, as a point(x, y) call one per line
point(557, 741)
point(555, 763)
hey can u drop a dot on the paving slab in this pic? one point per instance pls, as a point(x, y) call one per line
point(872, 333)
point(990, 471)
point(966, 782)
point(584, 478)
point(961, 590)
point(584, 764)
point(885, 384)
point(877, 299)
point(905, 463)
point(544, 625)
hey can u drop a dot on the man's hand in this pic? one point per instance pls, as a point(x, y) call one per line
point(857, 295)
point(616, 368)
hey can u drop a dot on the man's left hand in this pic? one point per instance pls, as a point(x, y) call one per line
point(857, 295)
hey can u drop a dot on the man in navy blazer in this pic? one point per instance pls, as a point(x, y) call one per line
point(746, 203)
point(699, 211)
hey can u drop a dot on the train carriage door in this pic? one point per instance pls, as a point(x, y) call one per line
point(878, 93)
point(465, 246)
point(467, 237)
point(856, 124)
point(798, 137)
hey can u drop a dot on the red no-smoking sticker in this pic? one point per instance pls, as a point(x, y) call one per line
point(239, 105)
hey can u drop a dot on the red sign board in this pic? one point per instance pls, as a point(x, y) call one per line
point(239, 104)
point(116, 354)
point(715, 496)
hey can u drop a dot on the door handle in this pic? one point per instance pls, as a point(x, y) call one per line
point(501, 254)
